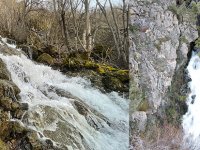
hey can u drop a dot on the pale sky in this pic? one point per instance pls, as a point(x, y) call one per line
point(93, 2)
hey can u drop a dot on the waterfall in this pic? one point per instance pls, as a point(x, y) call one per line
point(68, 110)
point(191, 120)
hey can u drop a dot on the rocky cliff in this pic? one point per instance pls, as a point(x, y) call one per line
point(161, 36)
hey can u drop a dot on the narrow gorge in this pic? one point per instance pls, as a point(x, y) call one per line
point(163, 36)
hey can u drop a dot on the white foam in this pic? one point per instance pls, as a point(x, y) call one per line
point(191, 120)
point(35, 82)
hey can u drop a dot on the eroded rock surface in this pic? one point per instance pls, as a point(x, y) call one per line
point(158, 53)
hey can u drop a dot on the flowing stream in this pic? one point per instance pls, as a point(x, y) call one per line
point(68, 110)
point(191, 120)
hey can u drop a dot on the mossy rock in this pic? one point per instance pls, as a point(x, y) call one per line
point(77, 63)
point(113, 84)
point(17, 128)
point(4, 74)
point(112, 78)
point(91, 65)
point(35, 52)
point(33, 140)
point(51, 50)
point(101, 70)
point(4, 130)
point(46, 59)
point(8, 89)
point(3, 145)
point(72, 63)
point(6, 103)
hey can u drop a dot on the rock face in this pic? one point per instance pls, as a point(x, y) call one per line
point(13, 135)
point(158, 52)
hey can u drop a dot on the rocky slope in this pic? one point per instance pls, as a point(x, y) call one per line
point(160, 43)
point(25, 124)
point(13, 135)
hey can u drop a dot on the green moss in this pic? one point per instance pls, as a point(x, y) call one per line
point(101, 70)
point(46, 58)
point(91, 64)
point(113, 78)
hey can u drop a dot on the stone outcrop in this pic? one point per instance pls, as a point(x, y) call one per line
point(160, 42)
point(13, 135)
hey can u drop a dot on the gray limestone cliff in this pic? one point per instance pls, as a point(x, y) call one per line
point(161, 36)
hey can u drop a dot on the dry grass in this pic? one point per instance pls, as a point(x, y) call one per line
point(166, 137)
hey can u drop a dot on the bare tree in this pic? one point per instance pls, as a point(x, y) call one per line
point(60, 7)
point(121, 42)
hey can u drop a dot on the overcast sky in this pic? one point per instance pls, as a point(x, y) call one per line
point(115, 2)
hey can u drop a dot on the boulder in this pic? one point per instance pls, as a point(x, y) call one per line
point(46, 59)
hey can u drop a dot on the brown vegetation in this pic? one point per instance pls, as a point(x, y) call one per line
point(69, 26)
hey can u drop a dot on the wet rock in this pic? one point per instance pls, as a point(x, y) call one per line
point(192, 102)
point(46, 59)
point(18, 113)
point(49, 143)
point(4, 130)
point(93, 120)
point(8, 89)
point(25, 145)
point(113, 84)
point(193, 96)
point(73, 138)
point(17, 127)
point(32, 138)
point(27, 50)
point(15, 105)
point(24, 106)
point(4, 74)
point(5, 103)
point(81, 108)
point(193, 99)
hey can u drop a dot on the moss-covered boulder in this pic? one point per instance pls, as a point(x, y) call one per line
point(102, 75)
point(46, 59)
point(51, 50)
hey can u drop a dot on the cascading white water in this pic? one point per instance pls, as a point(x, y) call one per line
point(191, 120)
point(52, 113)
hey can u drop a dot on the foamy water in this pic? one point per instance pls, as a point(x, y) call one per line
point(191, 120)
point(54, 115)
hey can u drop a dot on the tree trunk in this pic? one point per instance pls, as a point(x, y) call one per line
point(87, 38)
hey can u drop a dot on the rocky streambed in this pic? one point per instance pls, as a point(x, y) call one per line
point(42, 108)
